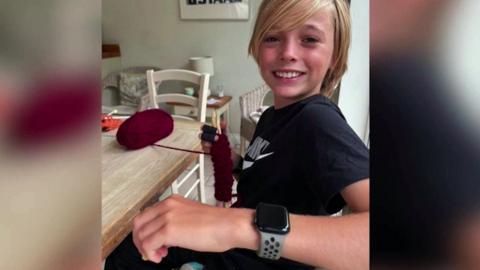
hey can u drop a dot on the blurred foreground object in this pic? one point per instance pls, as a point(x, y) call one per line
point(425, 144)
point(49, 135)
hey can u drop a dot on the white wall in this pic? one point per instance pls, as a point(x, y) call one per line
point(150, 32)
point(354, 92)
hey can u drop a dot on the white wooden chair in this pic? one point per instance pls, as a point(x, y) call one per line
point(250, 102)
point(199, 102)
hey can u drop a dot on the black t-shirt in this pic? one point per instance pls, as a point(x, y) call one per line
point(302, 156)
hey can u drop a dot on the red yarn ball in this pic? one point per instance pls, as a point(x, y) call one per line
point(145, 128)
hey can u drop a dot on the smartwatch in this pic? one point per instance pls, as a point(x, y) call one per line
point(273, 224)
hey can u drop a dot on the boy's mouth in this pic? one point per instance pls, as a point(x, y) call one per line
point(288, 74)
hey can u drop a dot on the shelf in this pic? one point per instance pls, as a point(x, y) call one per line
point(110, 51)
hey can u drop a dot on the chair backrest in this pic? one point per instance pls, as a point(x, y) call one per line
point(251, 101)
point(200, 79)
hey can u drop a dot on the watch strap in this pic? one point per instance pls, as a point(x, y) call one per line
point(271, 245)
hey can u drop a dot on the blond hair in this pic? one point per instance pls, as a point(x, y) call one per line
point(286, 15)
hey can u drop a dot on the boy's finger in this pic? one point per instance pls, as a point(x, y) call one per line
point(206, 144)
point(155, 249)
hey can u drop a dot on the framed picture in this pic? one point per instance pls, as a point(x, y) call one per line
point(214, 9)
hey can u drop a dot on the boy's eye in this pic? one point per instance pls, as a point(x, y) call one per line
point(270, 39)
point(310, 40)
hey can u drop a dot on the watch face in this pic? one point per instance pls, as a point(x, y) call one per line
point(272, 218)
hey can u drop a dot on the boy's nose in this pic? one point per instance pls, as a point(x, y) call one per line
point(289, 51)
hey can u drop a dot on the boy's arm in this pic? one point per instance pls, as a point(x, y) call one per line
point(330, 242)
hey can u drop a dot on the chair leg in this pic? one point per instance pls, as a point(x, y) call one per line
point(201, 176)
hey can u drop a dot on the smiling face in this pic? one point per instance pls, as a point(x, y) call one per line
point(294, 62)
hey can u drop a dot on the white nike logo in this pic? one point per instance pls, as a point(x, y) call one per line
point(248, 164)
point(263, 156)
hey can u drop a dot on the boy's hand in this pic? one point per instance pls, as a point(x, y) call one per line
point(184, 223)
point(208, 136)
point(206, 145)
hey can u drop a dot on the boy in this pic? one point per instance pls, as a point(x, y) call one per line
point(303, 157)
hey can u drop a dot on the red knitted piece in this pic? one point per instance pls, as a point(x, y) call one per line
point(222, 168)
point(145, 128)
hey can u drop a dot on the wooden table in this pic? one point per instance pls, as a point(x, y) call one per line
point(215, 110)
point(132, 180)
